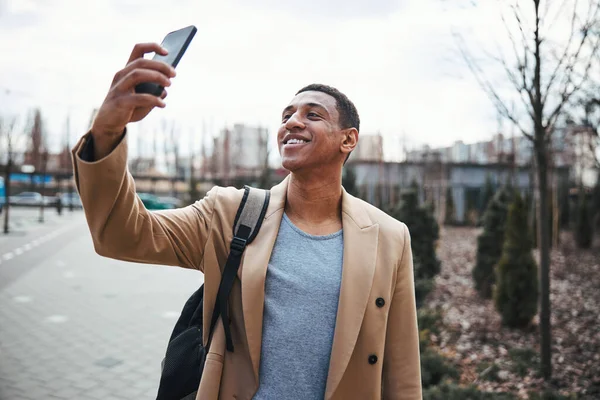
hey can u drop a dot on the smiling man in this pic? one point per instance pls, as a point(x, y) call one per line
point(324, 307)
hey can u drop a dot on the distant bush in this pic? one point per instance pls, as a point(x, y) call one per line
point(349, 181)
point(423, 340)
point(424, 232)
point(450, 217)
point(450, 391)
point(487, 194)
point(429, 319)
point(516, 294)
point(584, 225)
point(489, 243)
point(429, 322)
point(435, 368)
point(422, 289)
point(523, 360)
point(595, 206)
point(488, 372)
point(550, 395)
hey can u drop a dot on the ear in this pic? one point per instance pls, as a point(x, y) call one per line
point(350, 140)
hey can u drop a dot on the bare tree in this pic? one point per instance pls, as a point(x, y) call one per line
point(589, 121)
point(70, 182)
point(172, 152)
point(544, 76)
point(264, 180)
point(10, 140)
point(193, 183)
point(38, 154)
point(44, 168)
point(65, 165)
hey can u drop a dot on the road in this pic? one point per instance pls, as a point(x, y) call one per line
point(74, 325)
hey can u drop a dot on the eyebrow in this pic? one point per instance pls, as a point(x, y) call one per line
point(309, 105)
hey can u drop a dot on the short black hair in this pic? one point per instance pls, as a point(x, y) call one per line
point(348, 113)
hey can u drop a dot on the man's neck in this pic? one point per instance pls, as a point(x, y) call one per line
point(314, 204)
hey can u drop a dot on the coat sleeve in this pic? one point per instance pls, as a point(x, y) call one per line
point(122, 228)
point(402, 365)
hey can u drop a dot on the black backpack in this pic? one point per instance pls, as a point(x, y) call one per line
point(185, 356)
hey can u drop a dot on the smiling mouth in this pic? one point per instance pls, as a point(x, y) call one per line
point(296, 142)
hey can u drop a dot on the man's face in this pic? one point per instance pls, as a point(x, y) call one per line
point(309, 135)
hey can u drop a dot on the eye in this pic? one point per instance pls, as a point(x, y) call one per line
point(312, 115)
point(286, 117)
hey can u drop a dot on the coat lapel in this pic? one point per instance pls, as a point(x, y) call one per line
point(254, 269)
point(360, 256)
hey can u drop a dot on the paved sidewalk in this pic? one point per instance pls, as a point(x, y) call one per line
point(79, 326)
point(24, 218)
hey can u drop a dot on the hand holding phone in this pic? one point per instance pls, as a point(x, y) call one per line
point(123, 103)
point(176, 43)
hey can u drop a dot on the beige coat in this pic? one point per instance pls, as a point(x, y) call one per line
point(376, 311)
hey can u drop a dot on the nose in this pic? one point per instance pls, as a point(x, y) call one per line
point(294, 123)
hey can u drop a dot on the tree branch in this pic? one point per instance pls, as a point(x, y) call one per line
point(558, 13)
point(563, 58)
point(569, 88)
point(488, 88)
point(525, 85)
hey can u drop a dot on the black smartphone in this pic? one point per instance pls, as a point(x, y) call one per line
point(176, 43)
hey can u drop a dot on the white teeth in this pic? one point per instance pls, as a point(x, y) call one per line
point(296, 141)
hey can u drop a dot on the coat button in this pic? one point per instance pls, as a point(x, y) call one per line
point(372, 359)
point(380, 302)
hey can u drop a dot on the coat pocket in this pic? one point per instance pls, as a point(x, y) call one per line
point(211, 378)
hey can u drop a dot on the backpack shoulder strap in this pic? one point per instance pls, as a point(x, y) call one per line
point(248, 220)
point(251, 213)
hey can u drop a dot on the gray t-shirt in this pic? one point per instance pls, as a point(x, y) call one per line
point(301, 300)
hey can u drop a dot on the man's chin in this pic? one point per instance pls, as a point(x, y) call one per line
point(292, 165)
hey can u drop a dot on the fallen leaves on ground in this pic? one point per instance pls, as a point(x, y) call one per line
point(488, 353)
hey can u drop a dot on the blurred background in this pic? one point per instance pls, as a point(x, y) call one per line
point(479, 129)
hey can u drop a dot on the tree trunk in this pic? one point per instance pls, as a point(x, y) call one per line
point(41, 217)
point(70, 190)
point(43, 184)
point(7, 193)
point(541, 134)
point(193, 192)
point(543, 221)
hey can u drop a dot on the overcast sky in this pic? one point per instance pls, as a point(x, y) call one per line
point(396, 59)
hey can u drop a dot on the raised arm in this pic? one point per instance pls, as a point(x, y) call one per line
point(120, 225)
point(122, 228)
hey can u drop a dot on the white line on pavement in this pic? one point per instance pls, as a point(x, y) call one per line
point(22, 299)
point(57, 319)
point(34, 243)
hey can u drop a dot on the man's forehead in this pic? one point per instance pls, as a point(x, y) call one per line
point(314, 97)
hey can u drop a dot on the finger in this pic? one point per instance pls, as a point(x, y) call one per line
point(142, 63)
point(140, 100)
point(137, 76)
point(142, 48)
point(163, 94)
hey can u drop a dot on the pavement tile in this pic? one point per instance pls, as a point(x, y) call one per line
point(67, 393)
point(99, 393)
point(85, 384)
point(73, 310)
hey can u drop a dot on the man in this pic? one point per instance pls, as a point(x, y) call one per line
point(324, 306)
